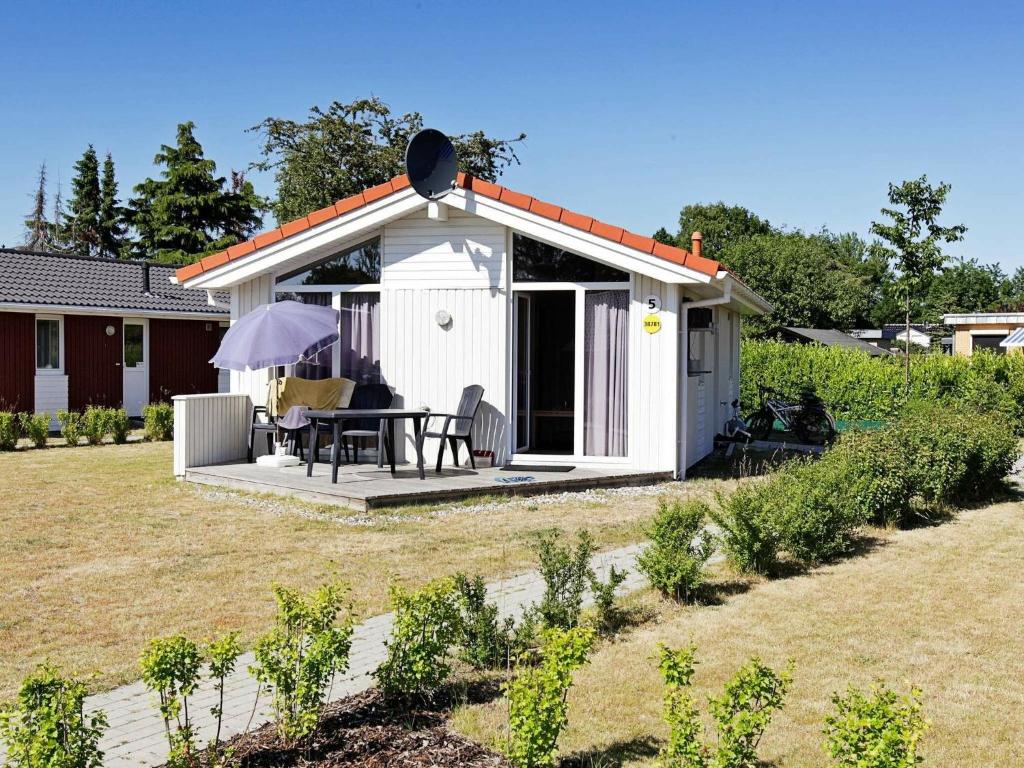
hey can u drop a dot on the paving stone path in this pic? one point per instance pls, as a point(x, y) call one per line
point(136, 735)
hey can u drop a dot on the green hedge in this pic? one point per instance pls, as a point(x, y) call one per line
point(859, 387)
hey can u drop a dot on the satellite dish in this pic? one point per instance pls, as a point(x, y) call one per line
point(431, 164)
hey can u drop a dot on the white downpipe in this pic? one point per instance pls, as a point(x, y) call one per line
point(684, 374)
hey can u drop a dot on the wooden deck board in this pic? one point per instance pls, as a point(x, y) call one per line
point(363, 486)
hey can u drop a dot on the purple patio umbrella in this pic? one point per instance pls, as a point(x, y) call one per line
point(282, 333)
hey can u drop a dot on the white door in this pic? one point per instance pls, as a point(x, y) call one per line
point(136, 365)
point(523, 354)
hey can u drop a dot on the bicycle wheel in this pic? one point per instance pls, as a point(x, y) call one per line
point(814, 425)
point(760, 425)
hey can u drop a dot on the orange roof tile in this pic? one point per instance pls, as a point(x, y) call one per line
point(478, 186)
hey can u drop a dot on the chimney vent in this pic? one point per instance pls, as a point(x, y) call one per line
point(697, 243)
point(145, 278)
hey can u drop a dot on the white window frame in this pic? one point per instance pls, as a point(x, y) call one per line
point(59, 370)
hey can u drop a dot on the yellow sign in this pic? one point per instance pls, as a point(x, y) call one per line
point(652, 323)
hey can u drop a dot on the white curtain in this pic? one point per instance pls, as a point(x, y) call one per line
point(319, 366)
point(606, 363)
point(359, 347)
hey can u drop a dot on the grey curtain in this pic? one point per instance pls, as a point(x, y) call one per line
point(605, 376)
point(359, 347)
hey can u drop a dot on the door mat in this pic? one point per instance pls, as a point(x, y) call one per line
point(538, 468)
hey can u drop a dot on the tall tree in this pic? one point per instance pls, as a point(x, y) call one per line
point(111, 215)
point(82, 222)
point(915, 239)
point(189, 212)
point(37, 227)
point(346, 148)
point(963, 286)
point(720, 224)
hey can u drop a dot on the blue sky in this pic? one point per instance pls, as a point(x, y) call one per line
point(802, 112)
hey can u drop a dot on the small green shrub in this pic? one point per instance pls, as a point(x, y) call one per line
point(877, 729)
point(741, 714)
point(427, 624)
point(8, 431)
point(674, 561)
point(70, 426)
point(299, 657)
point(170, 666)
point(566, 572)
point(486, 642)
point(537, 708)
point(118, 425)
point(36, 427)
point(222, 656)
point(744, 710)
point(606, 612)
point(94, 424)
point(46, 725)
point(748, 527)
point(158, 420)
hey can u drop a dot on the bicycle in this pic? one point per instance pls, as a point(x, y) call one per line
point(809, 419)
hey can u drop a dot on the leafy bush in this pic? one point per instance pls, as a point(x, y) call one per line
point(47, 725)
point(118, 425)
point(170, 666)
point(221, 655)
point(878, 729)
point(741, 713)
point(537, 708)
point(486, 642)
point(674, 560)
point(94, 424)
point(36, 427)
point(857, 386)
point(8, 431)
point(566, 572)
point(606, 618)
point(427, 624)
point(299, 657)
point(749, 530)
point(158, 420)
point(70, 426)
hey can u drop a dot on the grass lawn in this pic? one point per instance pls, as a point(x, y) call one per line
point(103, 550)
point(940, 607)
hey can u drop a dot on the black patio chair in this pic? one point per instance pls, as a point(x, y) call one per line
point(457, 426)
point(360, 430)
point(269, 427)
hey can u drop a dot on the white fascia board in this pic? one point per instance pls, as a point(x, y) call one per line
point(68, 309)
point(351, 225)
point(745, 297)
point(984, 318)
point(572, 239)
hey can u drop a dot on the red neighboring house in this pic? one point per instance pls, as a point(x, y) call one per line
point(78, 331)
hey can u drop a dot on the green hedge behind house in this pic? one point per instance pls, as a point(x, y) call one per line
point(859, 387)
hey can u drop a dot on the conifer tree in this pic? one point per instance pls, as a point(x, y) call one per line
point(190, 212)
point(37, 228)
point(111, 215)
point(82, 224)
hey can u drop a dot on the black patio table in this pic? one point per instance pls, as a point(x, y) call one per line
point(336, 417)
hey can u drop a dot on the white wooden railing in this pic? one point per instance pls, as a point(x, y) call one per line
point(209, 429)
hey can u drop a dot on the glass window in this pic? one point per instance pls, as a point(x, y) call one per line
point(537, 262)
point(321, 365)
point(360, 338)
point(48, 344)
point(134, 349)
point(354, 266)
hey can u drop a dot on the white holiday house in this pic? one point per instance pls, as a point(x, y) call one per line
point(595, 345)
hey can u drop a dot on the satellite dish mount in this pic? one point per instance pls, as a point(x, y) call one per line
point(431, 164)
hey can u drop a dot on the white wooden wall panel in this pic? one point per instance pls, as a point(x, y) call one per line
point(245, 298)
point(429, 365)
point(209, 429)
point(463, 252)
point(51, 395)
point(655, 420)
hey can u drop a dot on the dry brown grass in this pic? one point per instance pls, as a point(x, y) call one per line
point(103, 550)
point(940, 607)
